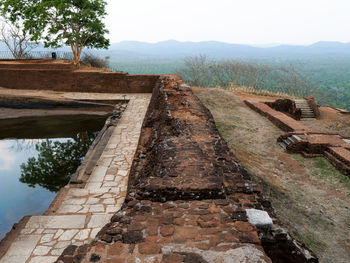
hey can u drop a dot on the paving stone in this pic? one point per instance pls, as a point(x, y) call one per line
point(83, 234)
point(109, 178)
point(92, 201)
point(75, 201)
point(62, 244)
point(57, 252)
point(105, 196)
point(57, 222)
point(42, 260)
point(110, 184)
point(46, 238)
point(96, 208)
point(27, 231)
point(68, 235)
point(20, 249)
point(85, 209)
point(93, 186)
point(50, 244)
point(112, 208)
point(99, 220)
point(39, 231)
point(41, 251)
point(50, 231)
point(123, 172)
point(69, 209)
point(59, 233)
point(109, 201)
point(78, 192)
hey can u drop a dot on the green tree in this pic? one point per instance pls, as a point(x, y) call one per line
point(56, 162)
point(75, 23)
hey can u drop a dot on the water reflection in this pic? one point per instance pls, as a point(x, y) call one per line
point(6, 159)
point(56, 162)
point(37, 158)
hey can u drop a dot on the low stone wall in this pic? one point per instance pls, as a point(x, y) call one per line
point(61, 77)
point(310, 143)
point(281, 120)
point(287, 106)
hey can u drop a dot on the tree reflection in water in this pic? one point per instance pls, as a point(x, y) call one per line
point(57, 161)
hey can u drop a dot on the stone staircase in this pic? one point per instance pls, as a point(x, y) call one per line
point(306, 111)
point(288, 141)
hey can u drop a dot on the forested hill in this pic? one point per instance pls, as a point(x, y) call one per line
point(326, 64)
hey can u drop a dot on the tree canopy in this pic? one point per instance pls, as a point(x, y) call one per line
point(75, 23)
point(56, 162)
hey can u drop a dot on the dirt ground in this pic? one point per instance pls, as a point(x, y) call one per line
point(310, 196)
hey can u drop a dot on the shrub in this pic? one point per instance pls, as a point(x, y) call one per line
point(95, 61)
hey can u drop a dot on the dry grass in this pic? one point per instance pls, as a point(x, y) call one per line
point(265, 93)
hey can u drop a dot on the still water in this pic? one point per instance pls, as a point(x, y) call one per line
point(33, 169)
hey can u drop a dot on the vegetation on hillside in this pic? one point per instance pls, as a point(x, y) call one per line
point(201, 72)
point(328, 76)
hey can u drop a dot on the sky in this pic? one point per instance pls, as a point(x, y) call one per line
point(254, 22)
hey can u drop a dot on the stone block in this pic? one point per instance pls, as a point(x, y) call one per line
point(259, 218)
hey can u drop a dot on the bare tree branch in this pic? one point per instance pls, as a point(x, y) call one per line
point(16, 40)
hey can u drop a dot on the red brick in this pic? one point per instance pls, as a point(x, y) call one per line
point(135, 226)
point(172, 258)
point(152, 230)
point(116, 249)
point(167, 231)
point(185, 232)
point(149, 248)
point(244, 226)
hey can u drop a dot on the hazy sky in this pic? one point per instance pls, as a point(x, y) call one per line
point(233, 21)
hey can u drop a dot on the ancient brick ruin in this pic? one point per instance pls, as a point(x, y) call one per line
point(309, 143)
point(167, 184)
point(188, 196)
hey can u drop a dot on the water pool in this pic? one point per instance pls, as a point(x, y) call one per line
point(37, 158)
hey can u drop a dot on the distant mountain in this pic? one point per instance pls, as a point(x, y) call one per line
point(172, 49)
point(176, 49)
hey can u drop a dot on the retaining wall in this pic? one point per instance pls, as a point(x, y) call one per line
point(61, 77)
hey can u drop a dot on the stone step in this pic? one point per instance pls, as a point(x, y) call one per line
point(289, 140)
point(296, 138)
point(283, 145)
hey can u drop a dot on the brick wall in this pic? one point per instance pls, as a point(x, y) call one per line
point(60, 78)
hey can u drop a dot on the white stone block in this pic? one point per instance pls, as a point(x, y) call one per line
point(259, 218)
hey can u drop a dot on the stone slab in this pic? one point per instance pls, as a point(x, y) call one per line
point(57, 222)
point(21, 249)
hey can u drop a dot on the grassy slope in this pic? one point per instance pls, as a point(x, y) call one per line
point(309, 195)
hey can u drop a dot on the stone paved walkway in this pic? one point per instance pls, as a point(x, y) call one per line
point(85, 211)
